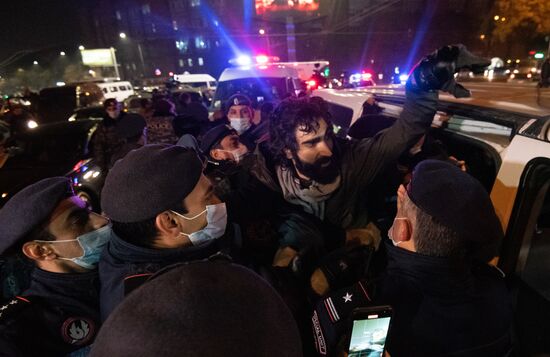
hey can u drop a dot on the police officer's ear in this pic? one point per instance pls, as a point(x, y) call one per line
point(167, 224)
point(38, 251)
point(217, 154)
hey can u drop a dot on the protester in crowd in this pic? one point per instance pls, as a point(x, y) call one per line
point(62, 241)
point(133, 129)
point(160, 129)
point(105, 140)
point(201, 309)
point(163, 211)
point(145, 108)
point(329, 177)
point(446, 299)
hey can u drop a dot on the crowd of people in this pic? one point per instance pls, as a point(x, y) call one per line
point(257, 234)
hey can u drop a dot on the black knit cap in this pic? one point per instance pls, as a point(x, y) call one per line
point(456, 200)
point(214, 136)
point(130, 125)
point(30, 207)
point(148, 181)
point(236, 99)
point(201, 309)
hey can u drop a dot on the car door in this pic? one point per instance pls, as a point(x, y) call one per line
point(521, 197)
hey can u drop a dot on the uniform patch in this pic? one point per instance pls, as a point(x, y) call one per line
point(77, 331)
point(318, 333)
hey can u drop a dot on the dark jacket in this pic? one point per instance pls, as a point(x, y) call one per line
point(362, 160)
point(106, 142)
point(439, 310)
point(124, 266)
point(57, 315)
point(121, 151)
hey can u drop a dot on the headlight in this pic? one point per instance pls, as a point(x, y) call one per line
point(32, 124)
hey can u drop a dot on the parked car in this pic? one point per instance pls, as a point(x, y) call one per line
point(509, 152)
point(56, 149)
point(93, 112)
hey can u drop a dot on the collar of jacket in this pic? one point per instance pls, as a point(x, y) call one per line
point(433, 275)
point(76, 285)
point(128, 252)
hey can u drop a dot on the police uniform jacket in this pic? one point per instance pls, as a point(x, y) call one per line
point(57, 315)
point(439, 310)
point(124, 266)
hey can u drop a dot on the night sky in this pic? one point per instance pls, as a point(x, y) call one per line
point(37, 24)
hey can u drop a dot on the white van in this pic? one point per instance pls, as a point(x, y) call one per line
point(202, 81)
point(117, 90)
point(262, 82)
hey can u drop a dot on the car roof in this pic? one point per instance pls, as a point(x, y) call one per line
point(501, 112)
point(193, 78)
point(269, 71)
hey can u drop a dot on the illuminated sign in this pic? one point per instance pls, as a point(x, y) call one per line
point(101, 57)
point(265, 6)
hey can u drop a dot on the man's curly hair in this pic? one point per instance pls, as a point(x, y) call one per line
point(290, 114)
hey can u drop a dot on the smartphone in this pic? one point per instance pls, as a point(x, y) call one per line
point(369, 331)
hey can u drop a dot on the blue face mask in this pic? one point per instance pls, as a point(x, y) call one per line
point(92, 244)
point(216, 221)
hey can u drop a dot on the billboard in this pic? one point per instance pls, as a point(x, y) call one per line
point(273, 6)
point(100, 57)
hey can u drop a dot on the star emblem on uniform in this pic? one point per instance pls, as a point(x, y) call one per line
point(347, 297)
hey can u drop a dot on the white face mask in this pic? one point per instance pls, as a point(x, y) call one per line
point(216, 222)
point(240, 124)
point(390, 231)
point(238, 153)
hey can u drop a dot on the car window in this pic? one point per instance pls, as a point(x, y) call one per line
point(122, 87)
point(113, 89)
point(105, 90)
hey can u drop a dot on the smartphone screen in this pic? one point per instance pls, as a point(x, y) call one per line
point(369, 332)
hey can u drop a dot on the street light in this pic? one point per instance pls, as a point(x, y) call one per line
point(482, 37)
point(81, 48)
point(35, 62)
point(496, 17)
point(62, 53)
point(502, 19)
point(261, 32)
point(122, 35)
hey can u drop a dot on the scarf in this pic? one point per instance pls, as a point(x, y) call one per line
point(312, 198)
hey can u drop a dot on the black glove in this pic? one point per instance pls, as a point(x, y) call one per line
point(436, 71)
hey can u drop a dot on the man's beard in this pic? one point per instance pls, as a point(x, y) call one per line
point(316, 171)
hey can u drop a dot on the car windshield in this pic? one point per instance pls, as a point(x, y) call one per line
point(257, 89)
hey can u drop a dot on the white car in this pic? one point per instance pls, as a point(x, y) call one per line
point(507, 147)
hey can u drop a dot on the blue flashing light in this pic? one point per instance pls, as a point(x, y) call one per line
point(403, 77)
point(355, 78)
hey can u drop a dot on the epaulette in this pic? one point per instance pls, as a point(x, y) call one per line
point(10, 309)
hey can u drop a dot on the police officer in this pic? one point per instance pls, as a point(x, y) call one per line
point(62, 239)
point(240, 114)
point(163, 211)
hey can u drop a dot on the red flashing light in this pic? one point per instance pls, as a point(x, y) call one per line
point(171, 74)
point(312, 83)
point(78, 165)
point(366, 76)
